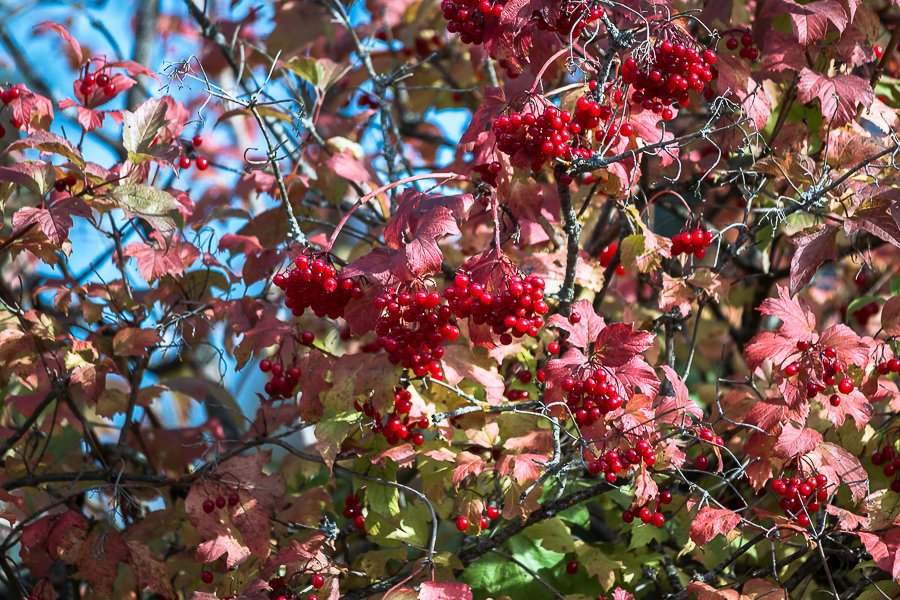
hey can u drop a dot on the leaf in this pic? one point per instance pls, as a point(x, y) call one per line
point(151, 204)
point(809, 21)
point(158, 258)
point(890, 315)
point(64, 33)
point(553, 535)
point(492, 103)
point(587, 329)
point(847, 520)
point(55, 221)
point(849, 348)
point(48, 142)
point(815, 245)
point(444, 590)
point(321, 72)
point(134, 341)
point(675, 409)
point(838, 95)
point(36, 176)
point(707, 592)
point(598, 564)
point(711, 522)
point(798, 322)
point(143, 125)
point(841, 466)
point(149, 570)
point(885, 549)
point(618, 344)
point(796, 441)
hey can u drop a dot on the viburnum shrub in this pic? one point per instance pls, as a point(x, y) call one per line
point(450, 300)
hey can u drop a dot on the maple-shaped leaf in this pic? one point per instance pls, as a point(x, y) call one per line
point(134, 341)
point(711, 522)
point(847, 520)
point(48, 142)
point(809, 21)
point(587, 329)
point(676, 409)
point(37, 176)
point(884, 549)
point(637, 374)
point(855, 405)
point(461, 361)
point(707, 592)
point(158, 258)
point(98, 562)
point(56, 221)
point(618, 344)
point(783, 53)
point(736, 82)
point(523, 468)
point(838, 95)
point(796, 441)
point(150, 570)
point(798, 322)
point(839, 465)
point(849, 348)
point(444, 590)
point(815, 245)
point(890, 316)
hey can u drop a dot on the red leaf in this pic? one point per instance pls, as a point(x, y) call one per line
point(134, 341)
point(444, 590)
point(524, 468)
point(796, 441)
point(815, 245)
point(48, 142)
point(158, 258)
point(55, 221)
point(839, 465)
point(348, 166)
point(492, 103)
point(98, 562)
point(37, 176)
point(839, 95)
point(798, 322)
point(810, 21)
point(707, 592)
point(674, 410)
point(890, 316)
point(769, 346)
point(847, 520)
point(618, 344)
point(64, 33)
point(885, 549)
point(149, 570)
point(711, 522)
point(849, 347)
point(584, 332)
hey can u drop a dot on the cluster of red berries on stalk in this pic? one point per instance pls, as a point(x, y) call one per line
point(613, 462)
point(210, 505)
point(411, 329)
point(7, 96)
point(607, 255)
point(707, 435)
point(694, 242)
point(353, 511)
point(674, 68)
point(516, 394)
point(536, 135)
point(396, 426)
point(748, 51)
point(282, 378)
point(644, 513)
point(889, 461)
point(574, 16)
point(468, 18)
point(313, 283)
point(800, 496)
point(95, 81)
point(202, 162)
point(831, 370)
point(511, 312)
point(491, 513)
point(591, 396)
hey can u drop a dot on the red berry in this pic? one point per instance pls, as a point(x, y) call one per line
point(665, 497)
point(102, 79)
point(196, 141)
point(802, 520)
point(359, 522)
point(879, 51)
point(574, 318)
point(792, 369)
point(658, 519)
point(493, 512)
point(627, 516)
point(184, 162)
point(701, 462)
point(109, 89)
point(747, 40)
point(209, 506)
point(307, 337)
point(206, 577)
point(484, 523)
point(318, 580)
point(233, 500)
point(572, 567)
point(462, 523)
point(203, 163)
point(220, 502)
point(834, 400)
point(846, 385)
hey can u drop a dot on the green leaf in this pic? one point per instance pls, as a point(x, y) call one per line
point(331, 432)
point(142, 126)
point(383, 500)
point(598, 564)
point(895, 285)
point(577, 515)
point(155, 206)
point(553, 535)
point(321, 73)
point(641, 535)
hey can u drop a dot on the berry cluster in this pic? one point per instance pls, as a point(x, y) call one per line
point(889, 461)
point(313, 283)
point(801, 496)
point(397, 425)
point(510, 312)
point(97, 81)
point(282, 591)
point(535, 135)
point(694, 242)
point(574, 16)
point(488, 172)
point(644, 513)
point(492, 512)
point(831, 370)
point(209, 505)
point(353, 511)
point(516, 394)
point(284, 378)
point(592, 394)
point(469, 17)
point(613, 462)
point(674, 68)
point(202, 162)
point(607, 255)
point(748, 51)
point(411, 329)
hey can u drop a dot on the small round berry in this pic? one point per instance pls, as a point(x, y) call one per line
point(572, 567)
point(747, 40)
point(359, 522)
point(627, 516)
point(196, 141)
point(318, 580)
point(462, 523)
point(203, 163)
point(209, 506)
point(233, 500)
point(220, 502)
point(307, 337)
point(792, 369)
point(574, 318)
point(658, 520)
point(493, 512)
point(109, 89)
point(484, 523)
point(665, 497)
point(553, 348)
point(834, 400)
point(879, 51)
point(701, 462)
point(802, 520)
point(184, 162)
point(206, 577)
point(846, 385)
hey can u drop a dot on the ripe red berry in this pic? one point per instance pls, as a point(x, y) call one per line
point(209, 506)
point(665, 497)
point(493, 512)
point(206, 577)
point(627, 516)
point(109, 89)
point(834, 400)
point(483, 523)
point(746, 40)
point(846, 385)
point(572, 567)
point(732, 43)
point(202, 163)
point(184, 162)
point(879, 51)
point(220, 502)
point(802, 520)
point(707, 435)
point(196, 141)
point(102, 79)
point(233, 500)
point(318, 580)
point(553, 348)
point(307, 337)
point(792, 369)
point(462, 523)
point(701, 462)
point(574, 317)
point(359, 522)
point(658, 519)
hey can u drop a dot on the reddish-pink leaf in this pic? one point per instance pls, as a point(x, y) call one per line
point(55, 221)
point(444, 590)
point(798, 322)
point(847, 519)
point(839, 95)
point(849, 347)
point(134, 341)
point(150, 571)
point(890, 316)
point(809, 21)
point(64, 33)
point(492, 103)
point(769, 346)
point(840, 466)
point(524, 468)
point(885, 549)
point(680, 408)
point(711, 522)
point(618, 343)
point(796, 441)
point(815, 245)
point(159, 258)
point(707, 592)
point(587, 329)
point(48, 142)
point(855, 405)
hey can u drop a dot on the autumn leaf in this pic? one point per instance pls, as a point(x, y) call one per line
point(796, 441)
point(444, 590)
point(839, 95)
point(711, 522)
point(134, 341)
point(815, 245)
